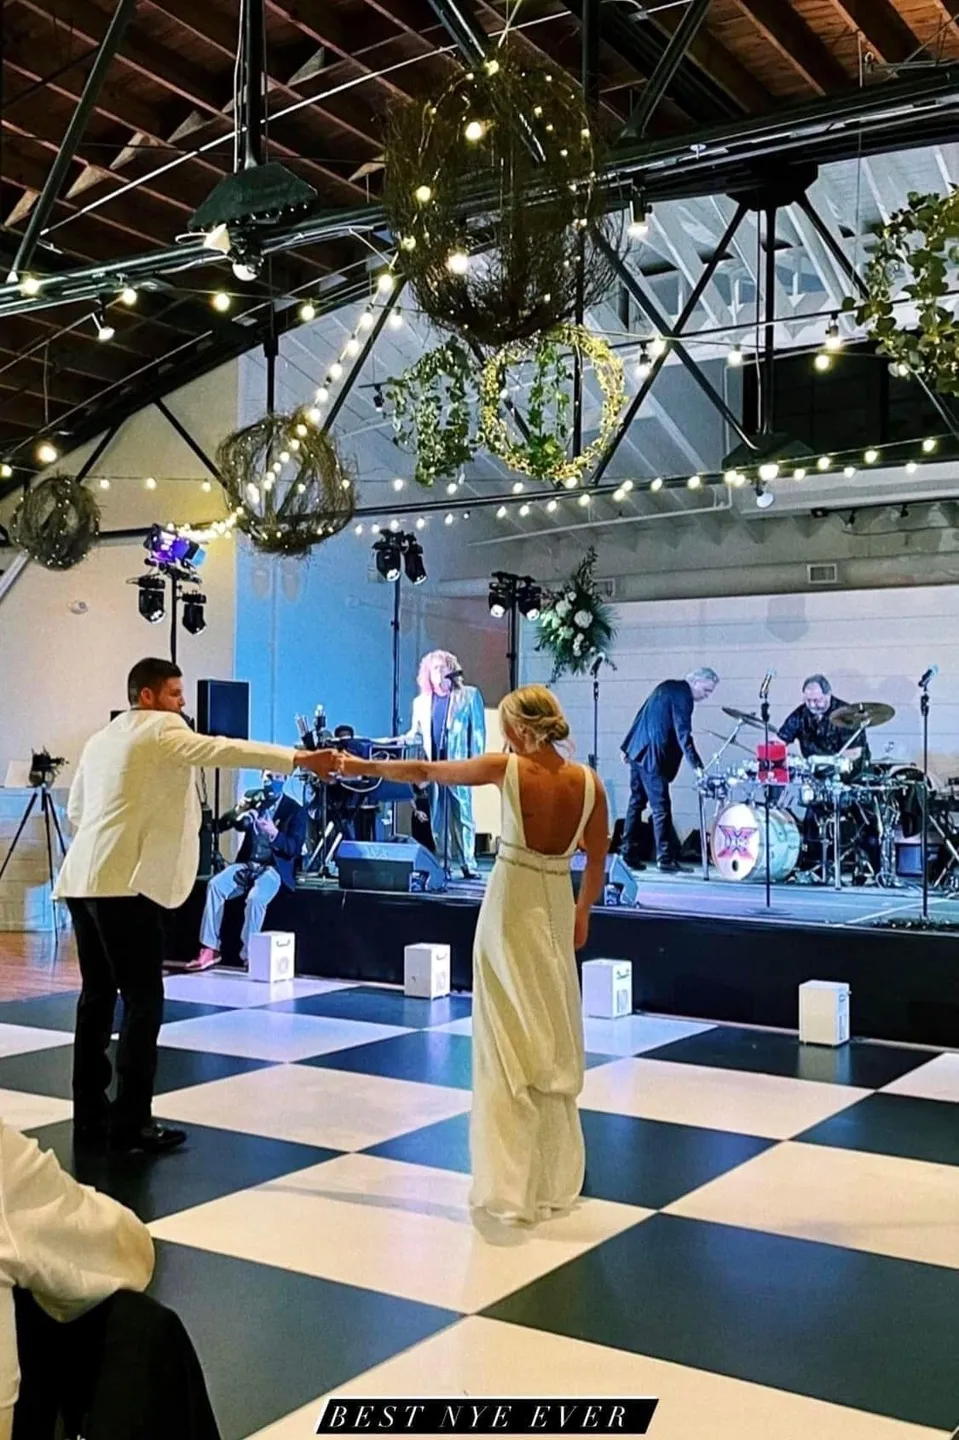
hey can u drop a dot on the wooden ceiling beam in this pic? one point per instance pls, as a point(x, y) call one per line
point(787, 31)
point(882, 28)
point(722, 66)
point(325, 27)
point(187, 82)
point(33, 376)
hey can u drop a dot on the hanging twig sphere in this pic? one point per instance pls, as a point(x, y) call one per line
point(493, 195)
point(286, 483)
point(57, 522)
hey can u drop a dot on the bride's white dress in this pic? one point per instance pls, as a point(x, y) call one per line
point(526, 1141)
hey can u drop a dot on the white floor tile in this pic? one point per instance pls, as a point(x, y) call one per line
point(272, 1035)
point(478, 1358)
point(21, 1039)
point(773, 1106)
point(878, 1203)
point(632, 1034)
point(389, 1226)
point(332, 1108)
point(463, 1026)
point(24, 1111)
point(936, 1080)
point(226, 987)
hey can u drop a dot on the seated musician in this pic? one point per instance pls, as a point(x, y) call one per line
point(809, 723)
point(274, 829)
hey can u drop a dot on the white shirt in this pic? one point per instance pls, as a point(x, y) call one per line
point(70, 1246)
point(134, 806)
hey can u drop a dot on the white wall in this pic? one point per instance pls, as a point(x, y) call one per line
point(871, 644)
point(62, 672)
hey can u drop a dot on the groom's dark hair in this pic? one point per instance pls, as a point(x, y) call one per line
point(150, 674)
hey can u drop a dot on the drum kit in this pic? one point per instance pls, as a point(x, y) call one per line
point(855, 807)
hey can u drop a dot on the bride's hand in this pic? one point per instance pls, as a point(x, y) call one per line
point(581, 931)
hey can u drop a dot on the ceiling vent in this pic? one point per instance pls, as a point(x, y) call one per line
point(822, 574)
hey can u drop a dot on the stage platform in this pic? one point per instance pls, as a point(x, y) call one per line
point(707, 950)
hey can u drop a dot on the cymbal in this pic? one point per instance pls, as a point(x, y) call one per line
point(746, 717)
point(866, 715)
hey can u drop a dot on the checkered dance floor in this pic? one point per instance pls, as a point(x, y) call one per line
point(769, 1241)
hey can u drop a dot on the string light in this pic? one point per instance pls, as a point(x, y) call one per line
point(457, 262)
point(911, 467)
point(769, 470)
point(206, 487)
point(399, 483)
point(47, 453)
point(824, 462)
point(352, 347)
point(657, 346)
point(104, 483)
point(307, 311)
point(385, 282)
point(929, 445)
point(849, 471)
point(422, 194)
point(127, 296)
point(395, 320)
point(501, 513)
point(833, 339)
point(30, 286)
point(150, 483)
point(799, 473)
point(221, 301)
point(322, 395)
point(656, 484)
point(336, 370)
point(871, 456)
point(524, 510)
point(475, 131)
point(365, 321)
point(694, 482)
point(6, 471)
point(552, 506)
point(449, 520)
point(734, 357)
point(823, 361)
point(586, 500)
point(518, 487)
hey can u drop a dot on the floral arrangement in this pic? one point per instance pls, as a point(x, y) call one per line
point(576, 625)
point(433, 407)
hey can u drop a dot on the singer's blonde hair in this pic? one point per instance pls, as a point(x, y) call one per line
point(535, 716)
point(442, 657)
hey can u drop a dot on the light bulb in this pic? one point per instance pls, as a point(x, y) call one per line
point(619, 495)
point(221, 301)
point(357, 529)
point(475, 131)
point(457, 262)
point(552, 506)
point(734, 357)
point(421, 523)
point(128, 296)
point(833, 339)
point(929, 445)
point(657, 346)
point(656, 484)
point(366, 320)
point(395, 321)
point(768, 470)
point(694, 482)
point(30, 286)
point(822, 361)
point(422, 194)
point(449, 519)
point(399, 483)
point(336, 370)
point(352, 347)
point(524, 510)
point(301, 430)
point(47, 453)
point(385, 282)
point(849, 471)
point(104, 483)
point(518, 487)
point(799, 473)
point(322, 395)
point(731, 477)
point(313, 415)
point(824, 462)
point(501, 513)
point(408, 243)
point(585, 500)
point(307, 311)
point(206, 487)
point(911, 467)
point(638, 220)
point(871, 456)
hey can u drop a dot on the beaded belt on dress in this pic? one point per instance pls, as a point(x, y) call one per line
point(534, 860)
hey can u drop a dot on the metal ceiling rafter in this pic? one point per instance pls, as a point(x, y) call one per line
point(800, 46)
point(665, 70)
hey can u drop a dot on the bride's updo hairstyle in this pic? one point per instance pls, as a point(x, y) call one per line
point(534, 716)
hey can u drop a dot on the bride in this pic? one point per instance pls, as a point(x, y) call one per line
point(526, 1141)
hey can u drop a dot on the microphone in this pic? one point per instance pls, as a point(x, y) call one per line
point(305, 733)
point(930, 674)
point(768, 678)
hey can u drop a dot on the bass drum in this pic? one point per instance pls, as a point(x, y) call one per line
point(738, 843)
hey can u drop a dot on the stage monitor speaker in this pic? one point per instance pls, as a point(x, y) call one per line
point(223, 708)
point(400, 866)
point(620, 887)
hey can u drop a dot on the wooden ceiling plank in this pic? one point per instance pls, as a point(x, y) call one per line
point(882, 28)
point(724, 67)
point(780, 24)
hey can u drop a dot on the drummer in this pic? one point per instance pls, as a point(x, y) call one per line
point(809, 723)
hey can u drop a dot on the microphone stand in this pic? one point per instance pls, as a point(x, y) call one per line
point(764, 716)
point(594, 757)
point(924, 847)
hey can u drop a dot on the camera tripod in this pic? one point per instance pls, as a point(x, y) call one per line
point(51, 825)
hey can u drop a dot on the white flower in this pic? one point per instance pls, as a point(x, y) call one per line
point(578, 645)
point(583, 619)
point(566, 633)
point(562, 609)
point(571, 596)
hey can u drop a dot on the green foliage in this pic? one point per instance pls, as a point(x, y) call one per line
point(434, 403)
point(577, 627)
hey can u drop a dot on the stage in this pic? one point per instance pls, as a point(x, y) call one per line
point(707, 950)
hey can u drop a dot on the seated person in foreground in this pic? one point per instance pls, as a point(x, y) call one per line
point(274, 830)
point(68, 1245)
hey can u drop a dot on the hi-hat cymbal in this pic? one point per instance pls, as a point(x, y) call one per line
point(866, 715)
point(746, 717)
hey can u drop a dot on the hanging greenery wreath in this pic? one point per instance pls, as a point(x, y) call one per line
point(287, 484)
point(544, 452)
point(433, 409)
point(503, 166)
point(57, 522)
point(576, 626)
point(921, 239)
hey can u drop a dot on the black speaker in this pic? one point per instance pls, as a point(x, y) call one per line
point(620, 887)
point(401, 866)
point(223, 708)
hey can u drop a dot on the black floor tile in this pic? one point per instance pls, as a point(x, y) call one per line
point(430, 1057)
point(271, 1340)
point(903, 1125)
point(860, 1330)
point(379, 1007)
point(652, 1163)
point(50, 1072)
point(212, 1163)
point(59, 1012)
point(859, 1063)
point(444, 1146)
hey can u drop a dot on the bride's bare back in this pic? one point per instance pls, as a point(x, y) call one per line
point(551, 792)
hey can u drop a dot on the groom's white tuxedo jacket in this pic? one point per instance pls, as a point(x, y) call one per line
point(135, 810)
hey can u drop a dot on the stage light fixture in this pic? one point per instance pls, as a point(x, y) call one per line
point(764, 497)
point(413, 562)
point(833, 340)
point(529, 598)
point(387, 553)
point(194, 620)
point(638, 218)
point(151, 598)
point(105, 331)
point(499, 596)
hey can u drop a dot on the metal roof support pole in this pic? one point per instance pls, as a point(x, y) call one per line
point(590, 79)
point(392, 300)
point(769, 340)
point(944, 410)
point(184, 434)
point(254, 68)
point(665, 71)
point(651, 310)
point(460, 24)
point(57, 173)
point(709, 270)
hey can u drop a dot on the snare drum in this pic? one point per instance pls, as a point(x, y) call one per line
point(738, 843)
